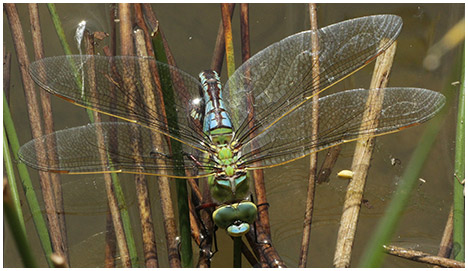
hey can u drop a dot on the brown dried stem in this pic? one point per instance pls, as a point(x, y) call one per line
point(111, 240)
point(422, 257)
point(48, 125)
point(144, 48)
point(361, 162)
point(157, 139)
point(154, 25)
point(126, 43)
point(6, 74)
point(314, 133)
point(262, 247)
point(245, 33)
point(113, 12)
point(258, 177)
point(218, 52)
point(328, 163)
point(249, 256)
point(203, 226)
point(446, 244)
point(36, 129)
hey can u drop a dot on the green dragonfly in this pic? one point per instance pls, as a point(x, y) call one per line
point(260, 119)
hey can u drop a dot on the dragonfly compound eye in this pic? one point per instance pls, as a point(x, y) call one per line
point(235, 218)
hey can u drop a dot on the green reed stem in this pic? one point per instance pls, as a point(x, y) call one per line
point(17, 230)
point(458, 193)
point(237, 259)
point(31, 198)
point(8, 166)
point(59, 28)
point(126, 221)
point(181, 184)
point(66, 47)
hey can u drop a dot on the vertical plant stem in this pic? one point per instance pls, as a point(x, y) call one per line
point(6, 74)
point(171, 89)
point(231, 65)
point(258, 177)
point(36, 129)
point(28, 187)
point(314, 134)
point(58, 27)
point(121, 220)
point(16, 227)
point(8, 163)
point(245, 32)
point(237, 259)
point(458, 194)
point(113, 33)
point(149, 242)
point(14, 199)
point(111, 240)
point(218, 52)
point(66, 47)
point(36, 33)
point(249, 256)
point(446, 244)
point(126, 43)
point(264, 250)
point(204, 224)
point(361, 161)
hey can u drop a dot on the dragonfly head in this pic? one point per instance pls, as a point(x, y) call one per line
point(236, 218)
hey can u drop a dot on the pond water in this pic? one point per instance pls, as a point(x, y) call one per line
point(191, 30)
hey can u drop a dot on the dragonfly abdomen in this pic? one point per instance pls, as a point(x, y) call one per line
point(216, 119)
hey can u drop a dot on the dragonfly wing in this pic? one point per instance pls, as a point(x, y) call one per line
point(123, 87)
point(107, 147)
point(279, 78)
point(340, 121)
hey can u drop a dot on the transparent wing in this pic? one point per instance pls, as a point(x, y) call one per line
point(279, 78)
point(340, 121)
point(123, 87)
point(110, 147)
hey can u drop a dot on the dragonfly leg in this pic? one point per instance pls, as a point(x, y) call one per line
point(206, 234)
point(194, 159)
point(215, 241)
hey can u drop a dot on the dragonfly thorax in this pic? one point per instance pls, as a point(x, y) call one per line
point(225, 156)
point(232, 188)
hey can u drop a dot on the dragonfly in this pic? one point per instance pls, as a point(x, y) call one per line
point(260, 119)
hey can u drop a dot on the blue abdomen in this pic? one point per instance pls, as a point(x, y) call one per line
point(215, 117)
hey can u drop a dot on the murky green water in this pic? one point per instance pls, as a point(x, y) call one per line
point(191, 31)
